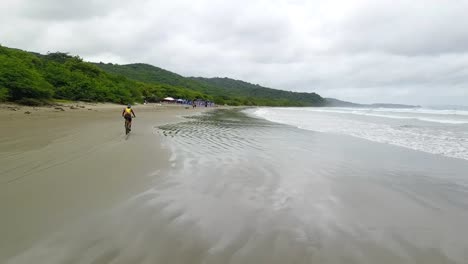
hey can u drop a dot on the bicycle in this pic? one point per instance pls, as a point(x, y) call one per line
point(128, 126)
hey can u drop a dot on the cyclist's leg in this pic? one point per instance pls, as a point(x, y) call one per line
point(128, 120)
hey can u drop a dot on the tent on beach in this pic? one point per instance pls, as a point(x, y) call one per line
point(168, 99)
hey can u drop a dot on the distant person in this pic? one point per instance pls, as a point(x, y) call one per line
point(206, 103)
point(194, 104)
point(127, 114)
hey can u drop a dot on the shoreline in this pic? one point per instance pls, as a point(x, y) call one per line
point(237, 183)
point(60, 166)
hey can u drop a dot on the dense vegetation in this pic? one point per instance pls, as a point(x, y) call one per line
point(34, 79)
point(223, 90)
point(231, 87)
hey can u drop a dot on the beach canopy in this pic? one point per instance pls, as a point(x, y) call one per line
point(168, 99)
point(180, 100)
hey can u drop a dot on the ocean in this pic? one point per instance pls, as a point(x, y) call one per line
point(437, 131)
point(291, 185)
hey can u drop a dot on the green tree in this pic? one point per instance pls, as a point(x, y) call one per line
point(3, 94)
point(22, 81)
point(33, 78)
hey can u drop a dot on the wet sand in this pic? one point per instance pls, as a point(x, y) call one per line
point(237, 189)
point(57, 167)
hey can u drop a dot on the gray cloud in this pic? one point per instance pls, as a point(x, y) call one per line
point(363, 50)
point(412, 28)
point(68, 10)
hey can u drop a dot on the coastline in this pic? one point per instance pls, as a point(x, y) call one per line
point(236, 188)
point(59, 166)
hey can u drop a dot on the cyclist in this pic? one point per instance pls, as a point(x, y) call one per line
point(127, 114)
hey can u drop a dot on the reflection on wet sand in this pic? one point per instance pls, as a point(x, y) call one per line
point(244, 190)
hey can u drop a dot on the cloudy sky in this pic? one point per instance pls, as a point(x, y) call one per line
point(364, 50)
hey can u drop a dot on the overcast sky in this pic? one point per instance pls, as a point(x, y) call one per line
point(363, 51)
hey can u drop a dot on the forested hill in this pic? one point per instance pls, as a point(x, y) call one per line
point(331, 102)
point(34, 79)
point(144, 73)
point(222, 89)
point(238, 87)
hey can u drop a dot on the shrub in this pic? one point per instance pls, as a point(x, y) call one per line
point(3, 94)
point(31, 102)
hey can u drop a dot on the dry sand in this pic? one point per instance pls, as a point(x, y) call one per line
point(61, 164)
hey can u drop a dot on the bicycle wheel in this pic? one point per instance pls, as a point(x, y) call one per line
point(127, 128)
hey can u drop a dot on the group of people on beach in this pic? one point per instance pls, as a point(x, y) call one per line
point(200, 103)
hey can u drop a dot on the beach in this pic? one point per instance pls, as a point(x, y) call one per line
point(60, 166)
point(226, 186)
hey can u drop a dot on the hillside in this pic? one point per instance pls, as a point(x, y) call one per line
point(331, 102)
point(223, 90)
point(237, 87)
point(34, 79)
point(144, 73)
point(153, 75)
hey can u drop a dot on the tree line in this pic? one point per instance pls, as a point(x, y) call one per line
point(35, 79)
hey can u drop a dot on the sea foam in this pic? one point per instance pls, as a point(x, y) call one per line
point(443, 132)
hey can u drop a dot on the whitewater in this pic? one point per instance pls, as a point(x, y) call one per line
point(437, 131)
